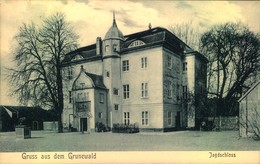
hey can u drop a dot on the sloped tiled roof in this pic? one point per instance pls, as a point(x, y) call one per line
point(148, 36)
point(22, 111)
point(86, 52)
point(197, 54)
point(17, 108)
point(97, 80)
point(154, 36)
point(31, 113)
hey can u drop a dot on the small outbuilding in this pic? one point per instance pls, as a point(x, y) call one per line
point(249, 112)
point(33, 117)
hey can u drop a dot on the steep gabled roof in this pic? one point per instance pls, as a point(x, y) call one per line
point(97, 80)
point(249, 91)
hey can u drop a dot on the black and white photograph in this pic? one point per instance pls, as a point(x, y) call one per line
point(129, 81)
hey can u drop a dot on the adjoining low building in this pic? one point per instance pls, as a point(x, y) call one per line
point(249, 112)
point(144, 78)
point(33, 117)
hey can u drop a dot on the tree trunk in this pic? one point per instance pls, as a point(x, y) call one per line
point(60, 126)
point(60, 96)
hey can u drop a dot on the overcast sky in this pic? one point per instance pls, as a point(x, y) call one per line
point(93, 18)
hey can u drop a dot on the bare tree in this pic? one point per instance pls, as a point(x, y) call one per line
point(187, 33)
point(234, 58)
point(37, 77)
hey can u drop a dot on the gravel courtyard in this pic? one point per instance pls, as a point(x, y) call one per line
point(171, 141)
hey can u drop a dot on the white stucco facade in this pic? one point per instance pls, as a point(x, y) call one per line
point(141, 77)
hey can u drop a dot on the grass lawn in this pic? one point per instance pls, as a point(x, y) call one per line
point(171, 141)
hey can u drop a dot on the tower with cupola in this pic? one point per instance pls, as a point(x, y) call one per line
point(111, 47)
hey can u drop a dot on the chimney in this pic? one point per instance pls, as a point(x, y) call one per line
point(99, 46)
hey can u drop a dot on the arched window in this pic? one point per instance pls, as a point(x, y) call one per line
point(136, 43)
point(77, 57)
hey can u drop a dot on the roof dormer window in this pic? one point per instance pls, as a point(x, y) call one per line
point(136, 43)
point(77, 57)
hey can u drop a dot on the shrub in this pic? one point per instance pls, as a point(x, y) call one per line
point(100, 127)
point(207, 125)
point(122, 128)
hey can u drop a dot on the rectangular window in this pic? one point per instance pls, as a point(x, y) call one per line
point(169, 118)
point(115, 91)
point(100, 115)
point(107, 48)
point(115, 47)
point(144, 62)
point(169, 89)
point(101, 96)
point(126, 91)
point(82, 96)
point(82, 106)
point(86, 96)
point(70, 73)
point(125, 65)
point(126, 118)
point(144, 90)
point(184, 92)
point(79, 96)
point(169, 61)
point(178, 92)
point(70, 97)
point(145, 118)
point(184, 66)
point(116, 107)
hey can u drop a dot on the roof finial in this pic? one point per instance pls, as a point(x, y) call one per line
point(114, 15)
point(114, 19)
point(150, 26)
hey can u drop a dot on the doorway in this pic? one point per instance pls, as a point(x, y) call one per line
point(35, 125)
point(178, 120)
point(83, 124)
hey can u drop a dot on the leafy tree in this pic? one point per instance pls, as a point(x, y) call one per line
point(36, 79)
point(234, 59)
